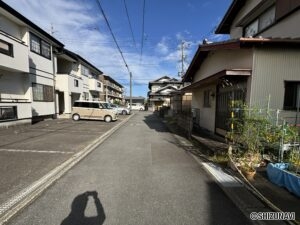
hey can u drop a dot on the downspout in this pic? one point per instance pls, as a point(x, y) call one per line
point(54, 84)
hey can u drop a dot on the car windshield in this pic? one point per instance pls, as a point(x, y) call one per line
point(106, 105)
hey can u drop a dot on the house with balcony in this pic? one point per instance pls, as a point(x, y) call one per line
point(76, 79)
point(113, 91)
point(161, 91)
point(259, 65)
point(27, 62)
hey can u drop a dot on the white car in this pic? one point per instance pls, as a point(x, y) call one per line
point(136, 106)
point(120, 109)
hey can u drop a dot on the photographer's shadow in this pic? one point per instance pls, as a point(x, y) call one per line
point(78, 207)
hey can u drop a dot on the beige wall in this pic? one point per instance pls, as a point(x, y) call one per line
point(224, 59)
point(207, 114)
point(271, 68)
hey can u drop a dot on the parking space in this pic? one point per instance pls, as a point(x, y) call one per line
point(29, 152)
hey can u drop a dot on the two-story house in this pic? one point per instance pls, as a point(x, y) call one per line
point(27, 62)
point(258, 65)
point(113, 91)
point(160, 91)
point(76, 79)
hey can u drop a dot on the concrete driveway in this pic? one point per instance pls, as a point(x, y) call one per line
point(29, 152)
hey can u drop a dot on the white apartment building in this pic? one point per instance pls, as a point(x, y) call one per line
point(38, 77)
point(76, 79)
point(27, 63)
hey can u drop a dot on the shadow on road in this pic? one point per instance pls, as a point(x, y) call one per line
point(153, 122)
point(78, 207)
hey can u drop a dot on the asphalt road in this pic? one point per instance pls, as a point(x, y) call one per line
point(139, 175)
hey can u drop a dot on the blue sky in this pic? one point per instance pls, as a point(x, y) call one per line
point(151, 54)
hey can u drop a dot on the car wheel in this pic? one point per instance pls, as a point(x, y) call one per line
point(107, 119)
point(124, 112)
point(76, 117)
point(141, 109)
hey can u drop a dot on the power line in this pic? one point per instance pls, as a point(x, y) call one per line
point(112, 34)
point(129, 24)
point(143, 28)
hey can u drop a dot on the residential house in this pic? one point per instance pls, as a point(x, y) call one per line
point(113, 91)
point(160, 91)
point(27, 62)
point(76, 79)
point(139, 99)
point(259, 65)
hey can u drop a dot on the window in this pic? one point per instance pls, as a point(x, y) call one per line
point(85, 71)
point(98, 84)
point(291, 95)
point(76, 83)
point(85, 96)
point(40, 46)
point(42, 93)
point(8, 113)
point(6, 48)
point(95, 105)
point(251, 29)
point(206, 102)
point(267, 18)
point(262, 22)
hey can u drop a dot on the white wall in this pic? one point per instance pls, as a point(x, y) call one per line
point(13, 85)
point(10, 27)
point(19, 61)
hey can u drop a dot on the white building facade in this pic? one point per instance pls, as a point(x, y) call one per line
point(27, 64)
point(76, 79)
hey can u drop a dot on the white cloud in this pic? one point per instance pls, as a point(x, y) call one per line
point(81, 30)
point(162, 47)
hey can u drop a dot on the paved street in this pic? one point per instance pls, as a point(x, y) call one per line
point(29, 152)
point(139, 175)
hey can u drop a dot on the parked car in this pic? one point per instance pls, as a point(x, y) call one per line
point(136, 106)
point(109, 106)
point(121, 109)
point(92, 110)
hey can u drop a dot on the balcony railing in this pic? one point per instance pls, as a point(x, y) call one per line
point(14, 56)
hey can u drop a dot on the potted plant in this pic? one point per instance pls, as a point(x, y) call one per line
point(249, 163)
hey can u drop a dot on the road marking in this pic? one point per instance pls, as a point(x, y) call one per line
point(27, 195)
point(34, 151)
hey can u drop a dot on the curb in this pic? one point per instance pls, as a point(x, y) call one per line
point(230, 184)
point(25, 197)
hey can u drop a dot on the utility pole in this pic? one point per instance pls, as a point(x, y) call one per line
point(182, 58)
point(130, 83)
point(183, 46)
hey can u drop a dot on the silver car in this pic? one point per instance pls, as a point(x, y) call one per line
point(120, 109)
